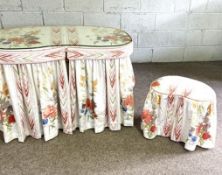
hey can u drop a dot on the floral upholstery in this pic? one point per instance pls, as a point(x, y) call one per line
point(182, 109)
point(42, 36)
point(40, 94)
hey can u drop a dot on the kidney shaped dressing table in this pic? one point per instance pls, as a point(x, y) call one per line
point(40, 93)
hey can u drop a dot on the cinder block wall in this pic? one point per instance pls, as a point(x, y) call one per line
point(162, 30)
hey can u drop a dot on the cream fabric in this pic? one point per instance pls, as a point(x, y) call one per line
point(182, 109)
point(39, 95)
point(38, 99)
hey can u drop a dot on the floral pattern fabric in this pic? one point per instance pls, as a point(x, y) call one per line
point(39, 95)
point(104, 91)
point(36, 103)
point(185, 114)
point(46, 36)
point(38, 99)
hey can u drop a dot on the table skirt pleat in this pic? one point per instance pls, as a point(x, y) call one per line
point(182, 119)
point(39, 99)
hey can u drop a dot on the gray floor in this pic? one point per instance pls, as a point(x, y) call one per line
point(125, 152)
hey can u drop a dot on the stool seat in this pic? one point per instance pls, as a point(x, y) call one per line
point(182, 109)
point(182, 86)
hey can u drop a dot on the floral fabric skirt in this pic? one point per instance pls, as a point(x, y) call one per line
point(39, 99)
point(182, 109)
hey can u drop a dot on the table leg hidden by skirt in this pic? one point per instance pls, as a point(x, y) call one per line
point(104, 90)
point(40, 98)
point(64, 77)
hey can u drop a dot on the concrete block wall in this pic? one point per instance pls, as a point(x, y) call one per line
point(162, 30)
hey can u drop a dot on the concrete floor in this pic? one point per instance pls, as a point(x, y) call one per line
point(124, 152)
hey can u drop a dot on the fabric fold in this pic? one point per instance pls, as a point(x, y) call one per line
point(180, 117)
point(41, 98)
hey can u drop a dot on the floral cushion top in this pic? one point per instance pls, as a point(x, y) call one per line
point(182, 86)
point(44, 36)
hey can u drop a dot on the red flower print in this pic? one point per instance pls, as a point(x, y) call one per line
point(153, 128)
point(50, 111)
point(90, 104)
point(155, 83)
point(128, 101)
point(206, 135)
point(11, 119)
point(146, 116)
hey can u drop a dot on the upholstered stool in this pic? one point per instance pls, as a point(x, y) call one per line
point(182, 109)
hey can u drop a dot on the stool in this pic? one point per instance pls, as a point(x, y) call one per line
point(182, 109)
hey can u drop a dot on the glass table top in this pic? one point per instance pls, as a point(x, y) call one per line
point(48, 36)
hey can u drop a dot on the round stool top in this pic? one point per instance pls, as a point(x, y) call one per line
point(45, 36)
point(183, 86)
